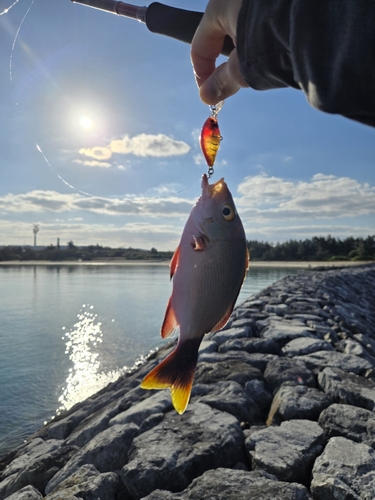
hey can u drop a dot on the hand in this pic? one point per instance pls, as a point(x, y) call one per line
point(216, 84)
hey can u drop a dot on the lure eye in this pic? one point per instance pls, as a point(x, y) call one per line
point(227, 211)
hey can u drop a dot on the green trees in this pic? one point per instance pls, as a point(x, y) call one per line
point(319, 248)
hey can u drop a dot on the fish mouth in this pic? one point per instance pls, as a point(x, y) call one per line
point(211, 190)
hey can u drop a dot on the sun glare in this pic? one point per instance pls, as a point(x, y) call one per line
point(86, 122)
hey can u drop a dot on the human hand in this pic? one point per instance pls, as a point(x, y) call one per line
point(216, 84)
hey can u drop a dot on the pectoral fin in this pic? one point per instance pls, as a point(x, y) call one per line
point(174, 262)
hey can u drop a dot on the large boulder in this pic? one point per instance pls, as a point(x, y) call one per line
point(181, 448)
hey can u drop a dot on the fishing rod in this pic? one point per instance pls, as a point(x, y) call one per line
point(176, 23)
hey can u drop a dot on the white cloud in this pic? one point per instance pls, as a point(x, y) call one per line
point(159, 145)
point(52, 201)
point(266, 197)
point(94, 163)
point(97, 152)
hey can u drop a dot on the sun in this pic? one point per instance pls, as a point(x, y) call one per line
point(86, 122)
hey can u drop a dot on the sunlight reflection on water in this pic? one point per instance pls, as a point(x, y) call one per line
point(84, 377)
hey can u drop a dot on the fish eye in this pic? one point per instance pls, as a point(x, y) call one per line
point(227, 211)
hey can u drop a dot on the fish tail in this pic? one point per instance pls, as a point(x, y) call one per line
point(176, 371)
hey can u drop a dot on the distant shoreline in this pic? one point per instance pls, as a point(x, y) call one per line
point(257, 263)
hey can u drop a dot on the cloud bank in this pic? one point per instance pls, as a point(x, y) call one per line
point(158, 146)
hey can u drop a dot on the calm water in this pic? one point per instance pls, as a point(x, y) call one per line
point(65, 332)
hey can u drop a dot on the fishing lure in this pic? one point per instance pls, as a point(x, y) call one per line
point(210, 137)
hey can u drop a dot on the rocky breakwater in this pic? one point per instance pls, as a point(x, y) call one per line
point(282, 407)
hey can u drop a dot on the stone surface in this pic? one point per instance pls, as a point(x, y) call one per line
point(348, 388)
point(232, 398)
point(348, 362)
point(89, 484)
point(347, 467)
point(286, 371)
point(26, 493)
point(232, 484)
point(291, 402)
point(181, 448)
point(108, 451)
point(287, 451)
point(349, 421)
point(303, 345)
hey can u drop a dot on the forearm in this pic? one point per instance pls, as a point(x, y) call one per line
point(324, 47)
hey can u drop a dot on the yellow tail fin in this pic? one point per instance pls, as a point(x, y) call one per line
point(176, 371)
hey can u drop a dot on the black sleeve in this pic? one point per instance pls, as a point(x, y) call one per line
point(324, 47)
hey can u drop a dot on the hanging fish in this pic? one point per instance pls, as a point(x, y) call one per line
point(210, 139)
point(208, 269)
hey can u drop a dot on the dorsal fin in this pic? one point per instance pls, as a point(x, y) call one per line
point(170, 321)
point(174, 262)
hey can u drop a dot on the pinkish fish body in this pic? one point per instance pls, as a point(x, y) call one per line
point(208, 269)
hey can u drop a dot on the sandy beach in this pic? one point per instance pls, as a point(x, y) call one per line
point(299, 264)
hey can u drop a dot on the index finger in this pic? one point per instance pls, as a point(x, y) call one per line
point(205, 48)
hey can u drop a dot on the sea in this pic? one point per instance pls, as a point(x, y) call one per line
point(66, 331)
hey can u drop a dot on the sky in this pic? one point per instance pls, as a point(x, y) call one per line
point(99, 129)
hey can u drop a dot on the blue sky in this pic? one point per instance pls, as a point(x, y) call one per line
point(99, 101)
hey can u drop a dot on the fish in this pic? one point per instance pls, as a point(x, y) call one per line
point(208, 269)
point(210, 139)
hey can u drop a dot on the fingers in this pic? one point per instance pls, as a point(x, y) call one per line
point(225, 81)
point(219, 20)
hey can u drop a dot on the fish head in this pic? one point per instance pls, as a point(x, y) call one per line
point(215, 213)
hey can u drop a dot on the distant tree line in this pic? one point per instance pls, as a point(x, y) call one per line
point(319, 248)
point(72, 252)
point(315, 249)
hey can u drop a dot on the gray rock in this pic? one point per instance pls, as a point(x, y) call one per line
point(287, 371)
point(207, 346)
point(288, 451)
point(232, 484)
point(26, 493)
point(303, 345)
point(108, 451)
point(160, 402)
point(256, 389)
point(93, 425)
point(297, 402)
point(348, 388)
point(231, 397)
point(349, 421)
point(229, 369)
point(232, 333)
point(89, 484)
point(318, 360)
point(285, 331)
point(265, 346)
point(344, 467)
point(36, 466)
point(181, 448)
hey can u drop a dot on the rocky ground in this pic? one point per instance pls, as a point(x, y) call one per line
point(282, 408)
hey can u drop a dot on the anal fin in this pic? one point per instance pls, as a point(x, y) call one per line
point(170, 321)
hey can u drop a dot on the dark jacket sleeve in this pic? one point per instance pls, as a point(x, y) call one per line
point(324, 47)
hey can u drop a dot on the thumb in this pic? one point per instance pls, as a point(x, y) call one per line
point(225, 81)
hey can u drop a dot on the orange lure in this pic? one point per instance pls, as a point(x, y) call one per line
point(210, 139)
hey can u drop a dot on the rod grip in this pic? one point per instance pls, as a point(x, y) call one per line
point(178, 23)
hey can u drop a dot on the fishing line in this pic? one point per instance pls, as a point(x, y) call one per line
point(15, 38)
point(7, 9)
point(38, 147)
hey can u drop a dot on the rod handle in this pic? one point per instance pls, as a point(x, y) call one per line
point(178, 23)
